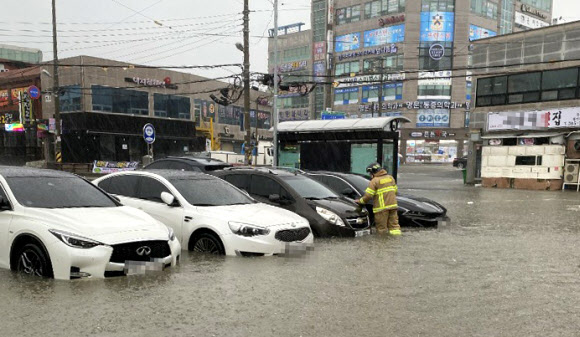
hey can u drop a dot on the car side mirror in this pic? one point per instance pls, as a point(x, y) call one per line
point(4, 204)
point(116, 198)
point(169, 199)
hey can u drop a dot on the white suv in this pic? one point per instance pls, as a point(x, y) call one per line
point(55, 224)
point(209, 214)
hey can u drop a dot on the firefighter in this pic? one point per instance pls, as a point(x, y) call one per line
point(383, 191)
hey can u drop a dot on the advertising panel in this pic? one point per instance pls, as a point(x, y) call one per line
point(437, 26)
point(3, 97)
point(381, 36)
point(433, 118)
point(319, 71)
point(435, 77)
point(528, 21)
point(294, 115)
point(319, 51)
point(476, 33)
point(534, 120)
point(100, 166)
point(347, 42)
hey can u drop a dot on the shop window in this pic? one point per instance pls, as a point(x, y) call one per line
point(171, 106)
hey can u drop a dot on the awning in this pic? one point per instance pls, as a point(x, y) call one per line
point(349, 124)
point(523, 135)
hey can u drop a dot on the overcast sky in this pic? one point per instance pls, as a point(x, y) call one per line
point(192, 32)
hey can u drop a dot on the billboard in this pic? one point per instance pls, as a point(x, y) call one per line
point(386, 35)
point(433, 118)
point(319, 71)
point(437, 26)
point(476, 33)
point(347, 42)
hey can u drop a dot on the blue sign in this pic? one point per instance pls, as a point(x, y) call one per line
point(347, 42)
point(389, 92)
point(332, 115)
point(433, 118)
point(476, 33)
point(34, 92)
point(149, 133)
point(437, 26)
point(381, 36)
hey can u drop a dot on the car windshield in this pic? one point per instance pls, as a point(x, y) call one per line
point(210, 192)
point(57, 192)
point(309, 188)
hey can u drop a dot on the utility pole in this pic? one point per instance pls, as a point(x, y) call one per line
point(247, 123)
point(275, 110)
point(55, 90)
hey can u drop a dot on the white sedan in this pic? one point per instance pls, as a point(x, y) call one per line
point(55, 224)
point(209, 214)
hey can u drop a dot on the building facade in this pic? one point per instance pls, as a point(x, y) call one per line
point(105, 104)
point(409, 58)
point(525, 127)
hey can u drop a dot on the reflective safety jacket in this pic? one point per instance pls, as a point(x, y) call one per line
point(383, 190)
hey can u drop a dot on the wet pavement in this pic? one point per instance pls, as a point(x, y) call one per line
point(508, 264)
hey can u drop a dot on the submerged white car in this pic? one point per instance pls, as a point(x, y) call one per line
point(209, 214)
point(55, 224)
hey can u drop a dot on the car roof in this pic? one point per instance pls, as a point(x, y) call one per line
point(19, 171)
point(173, 174)
point(267, 170)
point(198, 160)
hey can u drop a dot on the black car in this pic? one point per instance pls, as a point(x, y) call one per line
point(460, 162)
point(188, 164)
point(413, 211)
point(329, 213)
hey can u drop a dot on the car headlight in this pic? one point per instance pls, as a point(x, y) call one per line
point(245, 229)
point(171, 234)
point(73, 240)
point(330, 216)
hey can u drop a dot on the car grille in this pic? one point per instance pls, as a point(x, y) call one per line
point(128, 251)
point(358, 222)
point(290, 235)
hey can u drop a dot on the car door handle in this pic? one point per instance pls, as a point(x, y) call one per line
point(188, 219)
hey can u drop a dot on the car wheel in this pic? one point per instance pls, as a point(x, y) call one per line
point(208, 243)
point(460, 166)
point(32, 260)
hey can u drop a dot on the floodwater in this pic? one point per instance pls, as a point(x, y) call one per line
point(508, 264)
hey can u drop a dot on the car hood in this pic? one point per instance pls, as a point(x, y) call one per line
point(419, 204)
point(344, 208)
point(257, 214)
point(111, 225)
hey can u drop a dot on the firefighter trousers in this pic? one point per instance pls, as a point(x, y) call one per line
point(387, 220)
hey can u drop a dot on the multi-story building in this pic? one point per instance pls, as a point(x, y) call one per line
point(410, 58)
point(525, 126)
point(105, 104)
point(294, 65)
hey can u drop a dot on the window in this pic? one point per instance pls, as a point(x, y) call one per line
point(528, 160)
point(390, 63)
point(348, 14)
point(438, 5)
point(347, 68)
point(241, 181)
point(346, 96)
point(491, 91)
point(264, 186)
point(296, 54)
point(434, 90)
point(426, 62)
point(543, 5)
point(559, 84)
point(151, 189)
point(124, 185)
point(524, 88)
point(383, 7)
point(336, 184)
point(319, 21)
point(118, 100)
point(172, 106)
point(484, 8)
point(71, 99)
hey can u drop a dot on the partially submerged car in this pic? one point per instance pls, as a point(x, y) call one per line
point(413, 211)
point(328, 213)
point(208, 214)
point(56, 224)
point(187, 164)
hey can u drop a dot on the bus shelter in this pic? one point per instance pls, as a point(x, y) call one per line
point(340, 145)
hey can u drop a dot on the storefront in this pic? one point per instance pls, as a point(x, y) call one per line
point(433, 146)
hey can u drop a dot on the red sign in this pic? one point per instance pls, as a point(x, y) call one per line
point(319, 51)
point(391, 19)
point(3, 97)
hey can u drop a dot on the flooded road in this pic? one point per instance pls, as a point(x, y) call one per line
point(508, 264)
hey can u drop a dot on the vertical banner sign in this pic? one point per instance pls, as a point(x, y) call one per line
point(26, 107)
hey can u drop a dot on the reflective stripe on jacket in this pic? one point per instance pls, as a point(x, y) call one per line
point(383, 190)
